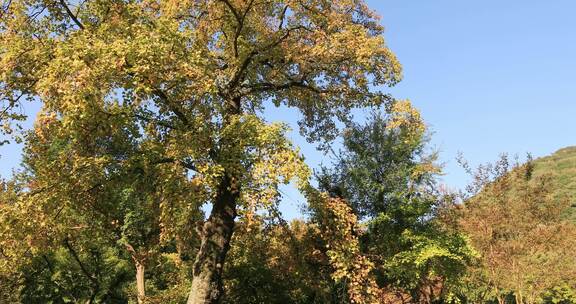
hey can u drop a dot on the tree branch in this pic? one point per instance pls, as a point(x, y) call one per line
point(186, 164)
point(238, 75)
point(158, 122)
point(71, 15)
point(172, 107)
point(267, 86)
point(93, 280)
point(77, 259)
point(233, 10)
point(282, 16)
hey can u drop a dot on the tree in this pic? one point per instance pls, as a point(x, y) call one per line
point(272, 261)
point(8, 196)
point(193, 75)
point(100, 188)
point(388, 178)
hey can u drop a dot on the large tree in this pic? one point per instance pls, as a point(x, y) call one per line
point(194, 76)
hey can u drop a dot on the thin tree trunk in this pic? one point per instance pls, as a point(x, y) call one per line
point(216, 234)
point(139, 261)
point(140, 282)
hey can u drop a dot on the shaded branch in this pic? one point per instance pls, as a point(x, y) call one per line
point(269, 87)
point(233, 10)
point(186, 164)
point(164, 124)
point(79, 262)
point(238, 75)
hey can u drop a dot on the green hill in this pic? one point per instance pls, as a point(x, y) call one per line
point(562, 166)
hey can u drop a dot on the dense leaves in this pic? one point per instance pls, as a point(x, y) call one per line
point(516, 223)
point(387, 176)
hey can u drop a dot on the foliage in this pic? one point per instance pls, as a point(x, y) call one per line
point(275, 262)
point(387, 177)
point(68, 276)
point(153, 111)
point(515, 221)
point(561, 167)
point(339, 228)
point(160, 101)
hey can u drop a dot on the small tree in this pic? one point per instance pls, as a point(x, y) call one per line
point(387, 177)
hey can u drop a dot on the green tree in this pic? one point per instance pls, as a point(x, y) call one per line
point(272, 261)
point(98, 193)
point(387, 176)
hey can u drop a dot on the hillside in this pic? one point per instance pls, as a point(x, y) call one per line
point(562, 165)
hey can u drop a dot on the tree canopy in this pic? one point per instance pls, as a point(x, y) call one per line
point(152, 173)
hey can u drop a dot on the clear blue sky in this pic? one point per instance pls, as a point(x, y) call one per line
point(488, 76)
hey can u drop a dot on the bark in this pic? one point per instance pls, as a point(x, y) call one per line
point(140, 283)
point(216, 234)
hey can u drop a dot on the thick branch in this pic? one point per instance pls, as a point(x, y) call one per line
point(233, 10)
point(241, 71)
point(239, 21)
point(269, 87)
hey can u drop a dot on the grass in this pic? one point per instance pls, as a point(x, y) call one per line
point(561, 165)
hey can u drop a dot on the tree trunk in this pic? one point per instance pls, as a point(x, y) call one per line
point(217, 231)
point(140, 283)
point(216, 234)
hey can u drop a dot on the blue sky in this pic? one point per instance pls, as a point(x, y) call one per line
point(488, 76)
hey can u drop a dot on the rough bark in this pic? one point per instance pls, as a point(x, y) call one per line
point(216, 232)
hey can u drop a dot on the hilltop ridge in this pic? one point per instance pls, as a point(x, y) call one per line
point(562, 165)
